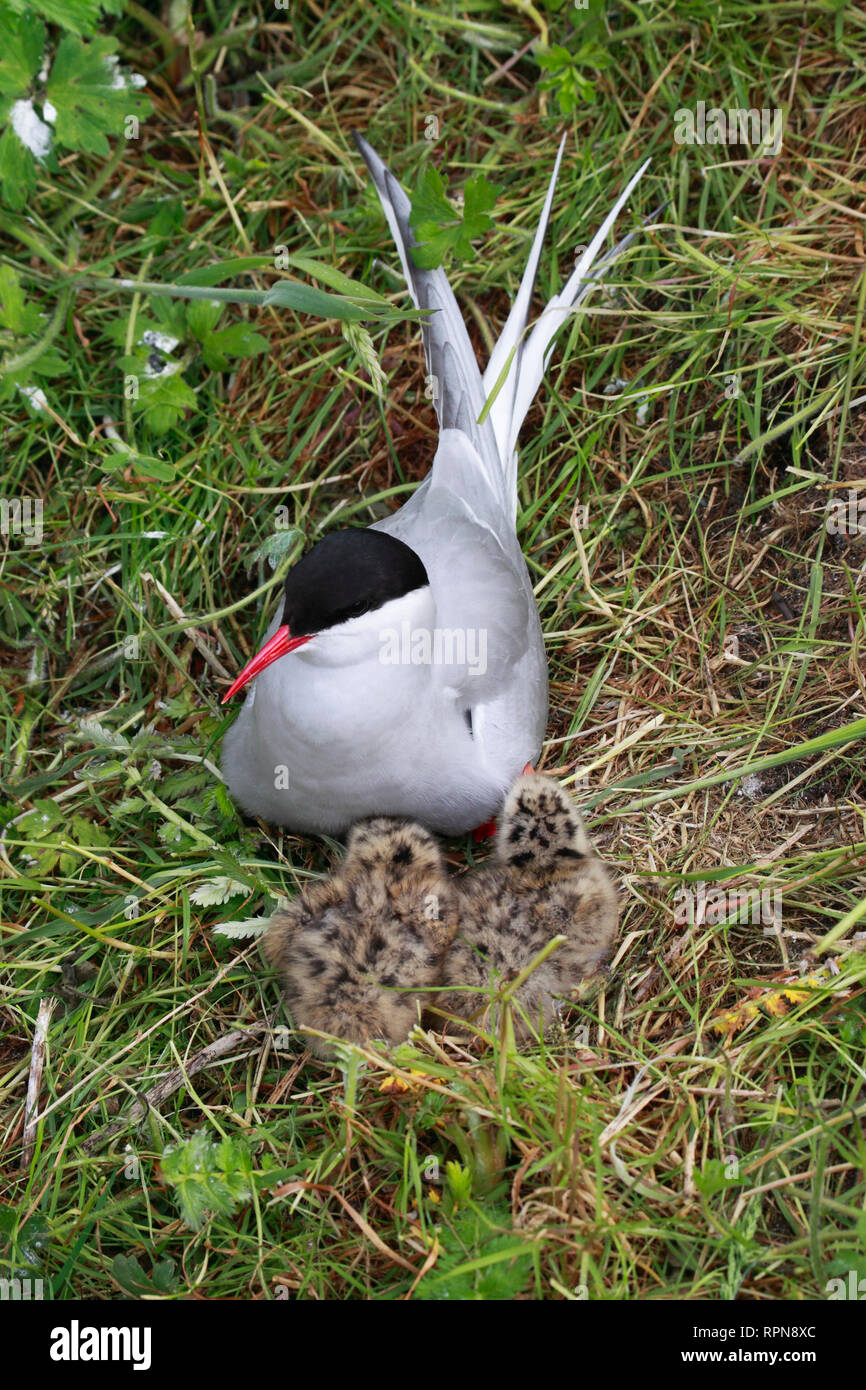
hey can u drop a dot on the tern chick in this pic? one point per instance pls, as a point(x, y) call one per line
point(544, 880)
point(353, 950)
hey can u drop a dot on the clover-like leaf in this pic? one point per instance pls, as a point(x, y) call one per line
point(439, 227)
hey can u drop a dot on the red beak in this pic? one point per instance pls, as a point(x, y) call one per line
point(279, 645)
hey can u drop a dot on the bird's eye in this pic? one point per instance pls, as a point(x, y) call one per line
point(354, 611)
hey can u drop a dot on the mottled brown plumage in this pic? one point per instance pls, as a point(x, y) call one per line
point(545, 880)
point(352, 950)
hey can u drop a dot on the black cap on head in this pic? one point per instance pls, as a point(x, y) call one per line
point(346, 574)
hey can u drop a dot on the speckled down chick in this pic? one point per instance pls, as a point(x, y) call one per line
point(544, 880)
point(352, 950)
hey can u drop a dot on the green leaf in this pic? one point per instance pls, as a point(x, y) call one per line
point(78, 16)
point(22, 39)
point(223, 803)
point(146, 466)
point(508, 1274)
point(202, 317)
point(459, 1180)
point(40, 823)
point(83, 832)
point(566, 78)
point(24, 1241)
point(275, 546)
point(163, 401)
point(190, 779)
point(118, 328)
point(17, 170)
point(852, 1028)
point(15, 313)
point(168, 220)
point(335, 279)
point(41, 820)
point(479, 1263)
point(129, 1274)
point(207, 275)
point(87, 832)
point(46, 861)
point(171, 316)
point(292, 294)
point(713, 1178)
point(49, 363)
point(208, 1177)
point(91, 95)
point(845, 1261)
point(479, 197)
point(172, 835)
point(439, 227)
point(430, 202)
point(237, 341)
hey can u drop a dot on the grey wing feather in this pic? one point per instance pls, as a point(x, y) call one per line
point(451, 362)
point(511, 339)
point(536, 353)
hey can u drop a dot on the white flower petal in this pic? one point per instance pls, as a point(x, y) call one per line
point(30, 129)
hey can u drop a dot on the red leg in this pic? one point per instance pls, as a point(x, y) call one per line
point(484, 832)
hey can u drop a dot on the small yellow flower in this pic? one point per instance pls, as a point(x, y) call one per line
point(393, 1086)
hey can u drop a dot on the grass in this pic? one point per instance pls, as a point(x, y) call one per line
point(697, 1130)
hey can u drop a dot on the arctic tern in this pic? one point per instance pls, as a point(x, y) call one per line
point(405, 673)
